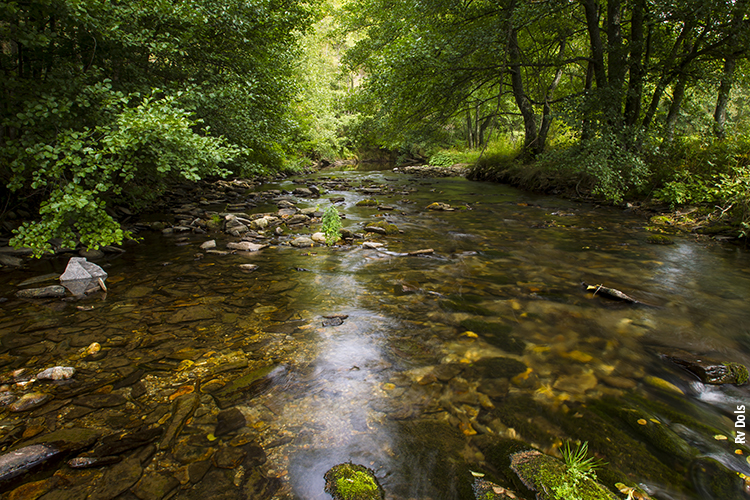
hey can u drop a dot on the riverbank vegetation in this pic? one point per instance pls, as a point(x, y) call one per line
point(105, 104)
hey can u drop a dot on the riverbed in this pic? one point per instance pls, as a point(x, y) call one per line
point(423, 367)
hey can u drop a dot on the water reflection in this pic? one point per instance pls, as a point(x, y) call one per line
point(440, 358)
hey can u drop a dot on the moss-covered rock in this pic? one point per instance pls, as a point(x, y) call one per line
point(709, 371)
point(551, 479)
point(367, 203)
point(659, 239)
point(384, 226)
point(352, 482)
point(713, 481)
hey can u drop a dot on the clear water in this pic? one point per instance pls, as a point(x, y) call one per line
point(504, 281)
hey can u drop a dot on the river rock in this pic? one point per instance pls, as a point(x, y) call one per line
point(182, 409)
point(547, 475)
point(577, 384)
point(372, 245)
point(709, 371)
point(303, 192)
point(248, 267)
point(245, 246)
point(348, 481)
point(440, 206)
point(29, 401)
point(10, 261)
point(154, 486)
point(17, 462)
point(302, 242)
point(79, 269)
point(46, 292)
point(208, 245)
point(228, 421)
point(228, 457)
point(259, 224)
point(56, 373)
point(117, 480)
point(194, 313)
point(319, 237)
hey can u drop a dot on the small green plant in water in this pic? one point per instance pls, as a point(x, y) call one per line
point(579, 469)
point(331, 225)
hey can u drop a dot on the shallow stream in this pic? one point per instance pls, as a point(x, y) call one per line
point(442, 362)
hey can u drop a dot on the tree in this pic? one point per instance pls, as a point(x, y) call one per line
point(82, 124)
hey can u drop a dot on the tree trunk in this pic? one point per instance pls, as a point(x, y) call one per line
point(720, 114)
point(674, 108)
point(595, 38)
point(635, 83)
point(522, 101)
point(546, 110)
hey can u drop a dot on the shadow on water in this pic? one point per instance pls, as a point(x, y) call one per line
point(422, 368)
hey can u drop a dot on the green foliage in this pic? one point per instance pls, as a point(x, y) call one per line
point(605, 163)
point(578, 470)
point(442, 159)
point(331, 225)
point(81, 127)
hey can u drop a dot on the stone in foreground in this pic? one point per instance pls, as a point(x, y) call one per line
point(352, 482)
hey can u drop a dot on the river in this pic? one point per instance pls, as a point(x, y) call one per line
point(440, 364)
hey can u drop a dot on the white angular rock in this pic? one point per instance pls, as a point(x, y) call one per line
point(245, 246)
point(56, 373)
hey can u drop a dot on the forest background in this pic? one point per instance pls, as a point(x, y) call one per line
point(106, 103)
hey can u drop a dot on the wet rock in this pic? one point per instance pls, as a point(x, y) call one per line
point(116, 444)
point(549, 478)
point(80, 273)
point(713, 481)
point(487, 490)
point(208, 245)
point(70, 439)
point(302, 242)
point(228, 421)
point(33, 490)
point(333, 321)
point(10, 261)
point(182, 409)
point(39, 279)
point(154, 486)
point(577, 384)
point(29, 401)
point(54, 291)
point(348, 481)
point(248, 385)
point(499, 367)
point(709, 371)
point(440, 207)
point(382, 227)
point(259, 486)
point(100, 400)
point(245, 246)
point(659, 239)
point(319, 237)
point(228, 457)
point(194, 313)
point(303, 192)
point(372, 245)
point(197, 470)
point(57, 373)
point(117, 480)
point(17, 462)
point(248, 267)
point(90, 462)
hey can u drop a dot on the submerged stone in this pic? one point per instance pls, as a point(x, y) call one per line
point(29, 401)
point(22, 460)
point(352, 482)
point(56, 373)
point(709, 371)
point(54, 291)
